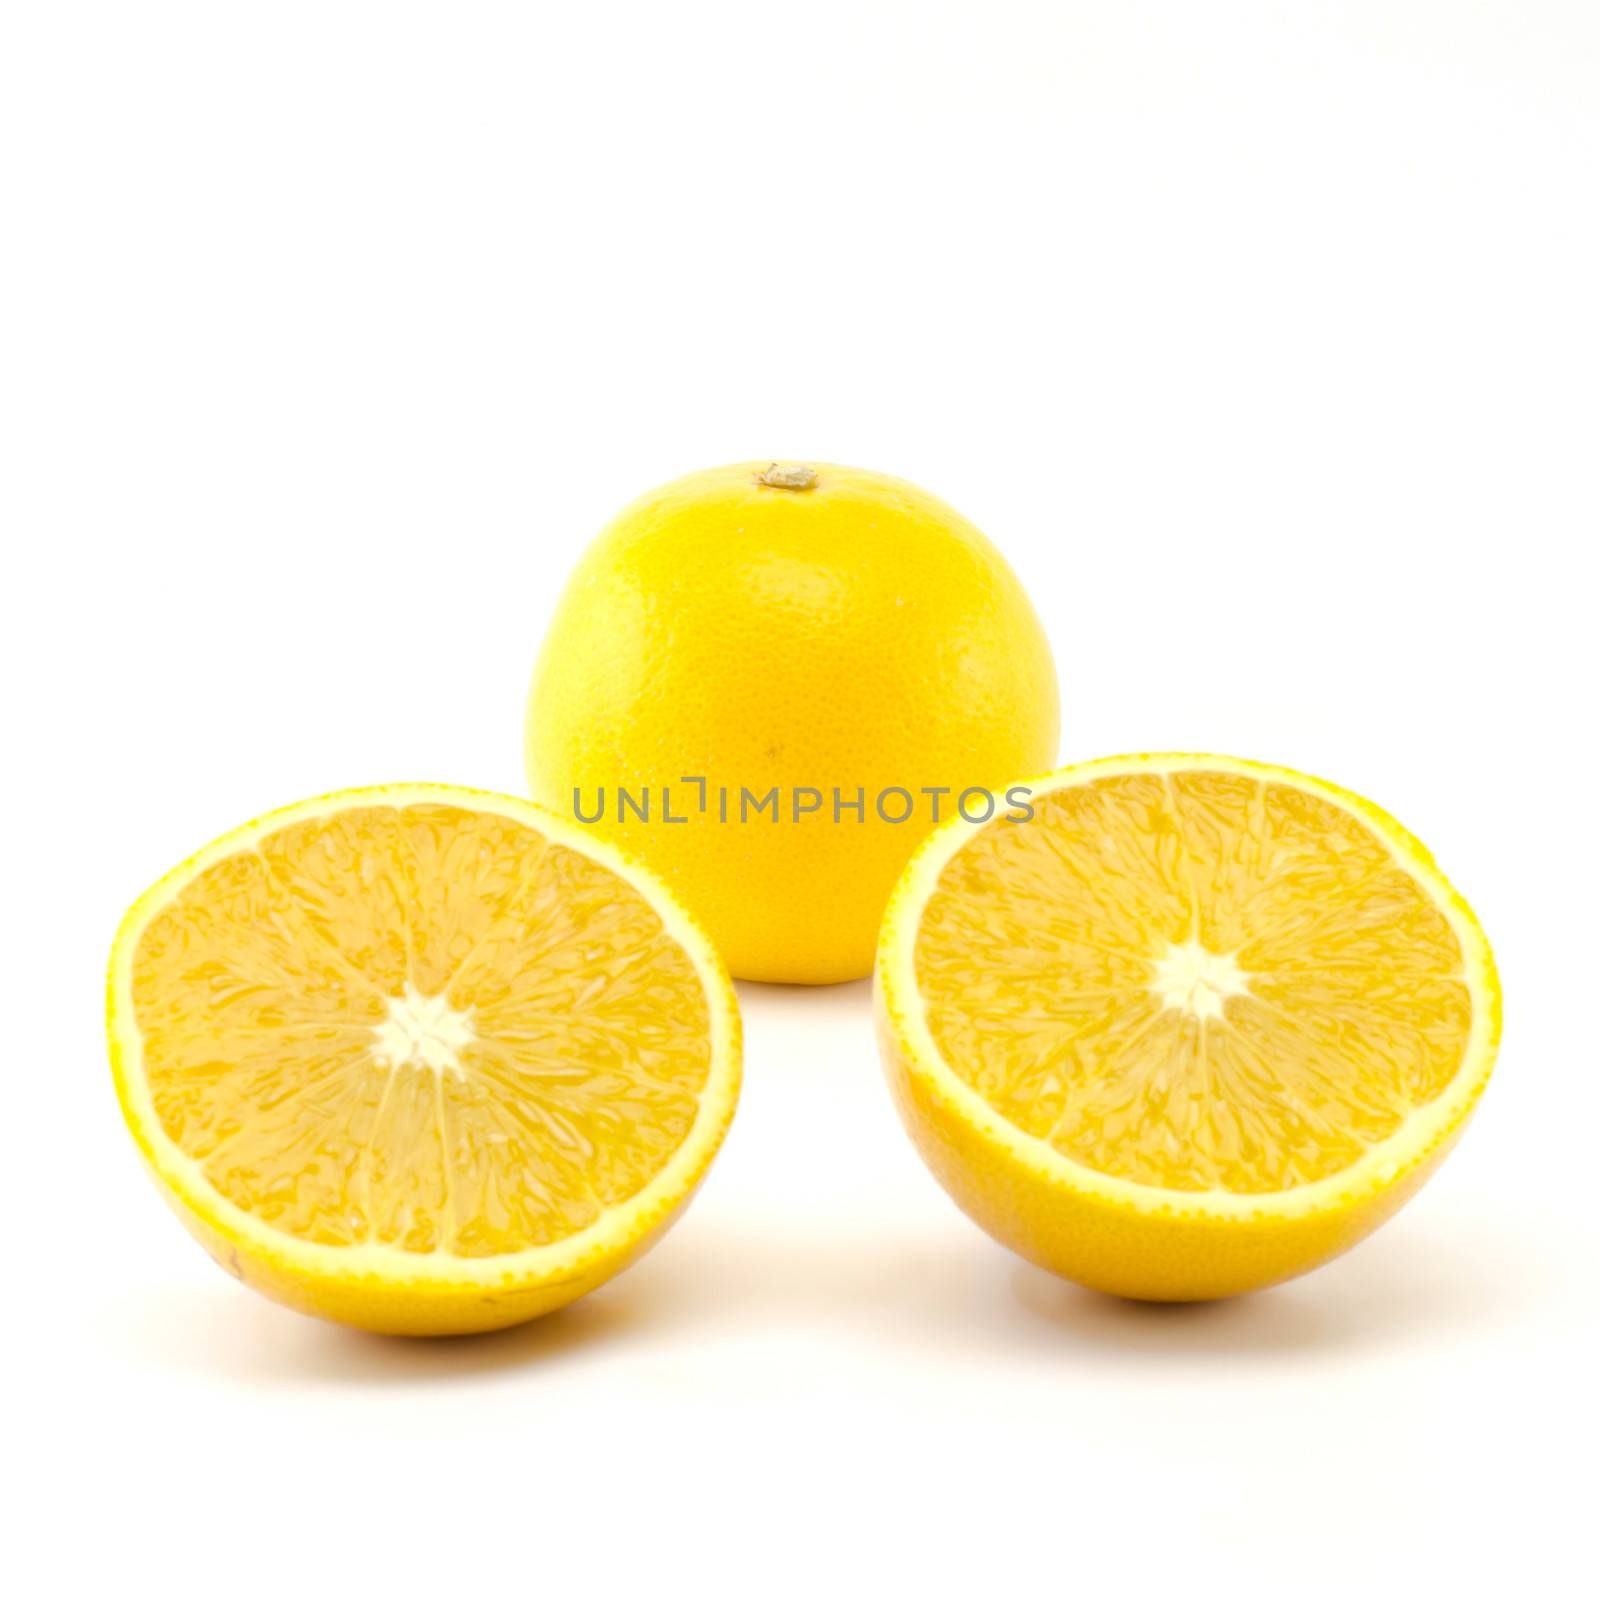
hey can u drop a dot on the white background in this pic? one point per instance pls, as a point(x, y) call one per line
point(1263, 338)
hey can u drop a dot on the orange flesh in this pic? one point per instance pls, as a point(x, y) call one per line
point(1045, 956)
point(563, 1040)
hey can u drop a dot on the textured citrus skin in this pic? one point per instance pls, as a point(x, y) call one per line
point(1139, 1252)
point(392, 1291)
point(854, 634)
point(1126, 1238)
point(388, 1302)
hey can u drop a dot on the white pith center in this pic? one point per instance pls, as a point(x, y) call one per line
point(1196, 979)
point(423, 1030)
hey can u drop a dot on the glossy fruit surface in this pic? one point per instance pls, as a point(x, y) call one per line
point(420, 1059)
point(834, 638)
point(1197, 1026)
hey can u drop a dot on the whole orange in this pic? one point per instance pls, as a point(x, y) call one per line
point(769, 680)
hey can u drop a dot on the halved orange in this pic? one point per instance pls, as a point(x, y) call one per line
point(1191, 1027)
point(421, 1059)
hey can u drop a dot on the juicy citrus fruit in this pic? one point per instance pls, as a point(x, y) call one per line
point(828, 642)
point(1195, 1027)
point(420, 1059)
